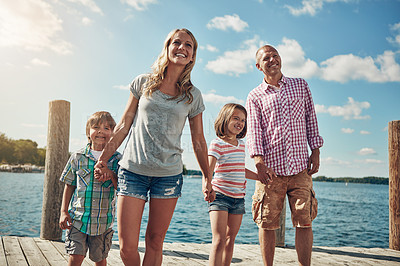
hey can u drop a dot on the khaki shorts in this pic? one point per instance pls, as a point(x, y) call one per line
point(77, 243)
point(268, 201)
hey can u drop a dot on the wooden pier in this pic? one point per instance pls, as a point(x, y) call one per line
point(37, 252)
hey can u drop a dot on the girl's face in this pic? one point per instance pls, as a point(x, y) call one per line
point(236, 123)
point(99, 135)
point(180, 50)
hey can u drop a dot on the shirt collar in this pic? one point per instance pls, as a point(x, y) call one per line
point(281, 83)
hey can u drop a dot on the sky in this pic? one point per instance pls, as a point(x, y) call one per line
point(88, 51)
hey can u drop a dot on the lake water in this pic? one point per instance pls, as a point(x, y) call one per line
point(354, 215)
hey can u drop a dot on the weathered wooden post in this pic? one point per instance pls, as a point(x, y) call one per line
point(56, 158)
point(280, 233)
point(394, 185)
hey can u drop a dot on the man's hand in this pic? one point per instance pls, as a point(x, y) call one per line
point(313, 162)
point(265, 174)
point(207, 190)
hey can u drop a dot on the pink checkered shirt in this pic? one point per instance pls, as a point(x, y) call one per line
point(281, 123)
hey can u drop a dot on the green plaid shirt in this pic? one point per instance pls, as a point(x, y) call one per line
point(92, 206)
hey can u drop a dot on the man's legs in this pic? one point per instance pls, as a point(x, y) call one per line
point(304, 242)
point(267, 245)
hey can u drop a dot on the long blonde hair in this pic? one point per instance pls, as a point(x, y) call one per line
point(184, 84)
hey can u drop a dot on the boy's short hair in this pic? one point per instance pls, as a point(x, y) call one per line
point(97, 118)
point(222, 120)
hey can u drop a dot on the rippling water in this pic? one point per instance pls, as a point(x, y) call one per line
point(353, 215)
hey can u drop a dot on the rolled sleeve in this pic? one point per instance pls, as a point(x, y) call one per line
point(314, 139)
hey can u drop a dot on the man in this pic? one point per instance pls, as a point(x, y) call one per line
point(281, 122)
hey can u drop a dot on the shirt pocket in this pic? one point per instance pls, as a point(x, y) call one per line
point(83, 179)
point(297, 109)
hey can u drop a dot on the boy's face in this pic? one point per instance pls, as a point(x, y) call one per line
point(99, 135)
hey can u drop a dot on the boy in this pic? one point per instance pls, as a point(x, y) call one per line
point(90, 215)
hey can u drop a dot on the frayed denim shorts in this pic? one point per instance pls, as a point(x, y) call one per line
point(141, 186)
point(228, 204)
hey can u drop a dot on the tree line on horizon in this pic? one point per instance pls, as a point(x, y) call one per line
point(21, 151)
point(363, 180)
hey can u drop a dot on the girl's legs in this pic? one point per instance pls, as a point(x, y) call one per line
point(234, 222)
point(160, 215)
point(219, 223)
point(130, 211)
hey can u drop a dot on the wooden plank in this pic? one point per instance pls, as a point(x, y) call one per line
point(13, 251)
point(184, 254)
point(3, 260)
point(32, 252)
point(60, 246)
point(53, 256)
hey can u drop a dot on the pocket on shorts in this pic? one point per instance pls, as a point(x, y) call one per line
point(314, 205)
point(257, 206)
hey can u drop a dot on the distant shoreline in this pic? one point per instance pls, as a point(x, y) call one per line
point(360, 180)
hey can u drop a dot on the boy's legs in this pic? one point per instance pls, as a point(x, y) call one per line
point(130, 211)
point(234, 222)
point(160, 215)
point(76, 246)
point(75, 260)
point(219, 223)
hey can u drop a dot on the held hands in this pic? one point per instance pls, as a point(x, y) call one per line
point(265, 174)
point(65, 220)
point(208, 192)
point(101, 172)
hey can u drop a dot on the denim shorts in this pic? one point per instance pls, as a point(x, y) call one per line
point(78, 243)
point(141, 186)
point(226, 203)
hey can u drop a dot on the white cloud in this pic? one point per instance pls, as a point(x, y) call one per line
point(33, 125)
point(139, 5)
point(34, 27)
point(347, 130)
point(294, 62)
point(122, 87)
point(209, 48)
point(87, 21)
point(333, 161)
point(342, 68)
point(238, 61)
point(228, 22)
point(38, 62)
point(310, 7)
point(219, 99)
point(366, 151)
point(369, 161)
point(364, 132)
point(351, 110)
point(90, 4)
point(396, 29)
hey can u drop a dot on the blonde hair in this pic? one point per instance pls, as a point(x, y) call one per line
point(223, 118)
point(184, 84)
point(99, 118)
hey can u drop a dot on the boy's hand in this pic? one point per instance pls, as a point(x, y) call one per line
point(65, 221)
point(101, 172)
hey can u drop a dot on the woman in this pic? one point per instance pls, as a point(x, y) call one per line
point(158, 106)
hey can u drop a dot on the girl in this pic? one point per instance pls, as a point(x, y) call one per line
point(151, 165)
point(226, 156)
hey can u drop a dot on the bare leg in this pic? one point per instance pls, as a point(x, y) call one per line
point(101, 263)
point(234, 222)
point(219, 222)
point(75, 260)
point(304, 241)
point(267, 244)
point(160, 215)
point(130, 211)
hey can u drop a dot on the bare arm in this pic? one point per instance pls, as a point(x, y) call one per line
point(251, 175)
point(313, 162)
point(200, 151)
point(65, 221)
point(212, 161)
point(121, 130)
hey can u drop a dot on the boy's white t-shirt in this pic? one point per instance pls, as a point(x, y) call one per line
point(96, 154)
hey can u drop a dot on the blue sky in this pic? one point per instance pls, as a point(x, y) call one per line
point(88, 51)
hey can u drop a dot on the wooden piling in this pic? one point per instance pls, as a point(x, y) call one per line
point(56, 157)
point(394, 185)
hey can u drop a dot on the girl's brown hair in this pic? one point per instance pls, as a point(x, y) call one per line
point(97, 118)
point(223, 118)
point(184, 84)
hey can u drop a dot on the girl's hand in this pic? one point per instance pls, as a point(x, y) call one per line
point(212, 196)
point(207, 189)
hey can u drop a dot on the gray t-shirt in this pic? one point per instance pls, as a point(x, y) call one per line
point(154, 144)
